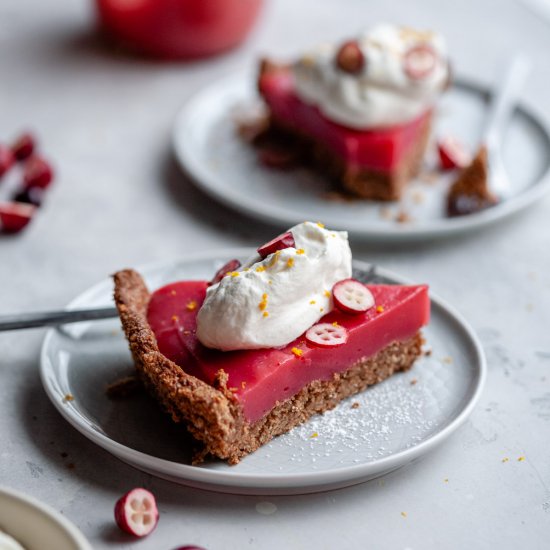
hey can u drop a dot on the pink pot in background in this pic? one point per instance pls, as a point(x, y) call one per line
point(178, 29)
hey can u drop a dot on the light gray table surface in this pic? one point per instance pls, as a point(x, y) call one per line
point(120, 200)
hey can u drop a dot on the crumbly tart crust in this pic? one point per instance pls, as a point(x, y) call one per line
point(358, 182)
point(212, 414)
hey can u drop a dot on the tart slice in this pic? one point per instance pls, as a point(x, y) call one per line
point(359, 112)
point(233, 401)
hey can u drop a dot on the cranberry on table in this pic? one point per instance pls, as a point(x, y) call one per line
point(452, 154)
point(189, 548)
point(37, 172)
point(23, 146)
point(136, 512)
point(14, 216)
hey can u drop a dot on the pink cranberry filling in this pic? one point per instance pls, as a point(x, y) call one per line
point(379, 149)
point(260, 378)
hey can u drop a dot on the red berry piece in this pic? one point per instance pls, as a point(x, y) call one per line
point(351, 296)
point(23, 147)
point(420, 61)
point(350, 58)
point(136, 512)
point(231, 265)
point(452, 154)
point(327, 335)
point(286, 240)
point(7, 158)
point(38, 173)
point(14, 216)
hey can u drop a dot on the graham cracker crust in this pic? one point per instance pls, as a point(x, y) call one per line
point(212, 414)
point(355, 181)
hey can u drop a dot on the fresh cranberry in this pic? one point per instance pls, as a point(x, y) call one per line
point(286, 240)
point(350, 58)
point(352, 296)
point(231, 265)
point(24, 146)
point(420, 61)
point(14, 216)
point(7, 158)
point(136, 512)
point(37, 172)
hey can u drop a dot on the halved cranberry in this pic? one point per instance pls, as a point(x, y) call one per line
point(7, 158)
point(14, 216)
point(452, 154)
point(286, 240)
point(352, 296)
point(350, 58)
point(136, 512)
point(420, 61)
point(327, 335)
point(231, 265)
point(37, 172)
point(23, 146)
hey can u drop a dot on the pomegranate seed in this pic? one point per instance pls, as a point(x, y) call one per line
point(452, 154)
point(350, 58)
point(420, 61)
point(351, 296)
point(286, 240)
point(327, 335)
point(24, 146)
point(7, 159)
point(14, 216)
point(136, 512)
point(38, 173)
point(231, 265)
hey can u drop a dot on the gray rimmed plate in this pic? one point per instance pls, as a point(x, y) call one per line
point(395, 422)
point(222, 165)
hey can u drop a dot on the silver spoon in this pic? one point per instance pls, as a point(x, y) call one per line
point(500, 110)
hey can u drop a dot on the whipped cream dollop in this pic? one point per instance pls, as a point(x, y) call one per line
point(403, 71)
point(272, 301)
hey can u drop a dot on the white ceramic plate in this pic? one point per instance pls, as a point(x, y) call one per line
point(222, 165)
point(396, 422)
point(37, 526)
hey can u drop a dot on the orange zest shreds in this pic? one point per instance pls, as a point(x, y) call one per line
point(243, 384)
point(234, 273)
point(260, 268)
point(265, 314)
point(312, 302)
point(191, 306)
point(263, 304)
point(175, 318)
point(404, 514)
point(505, 459)
point(327, 293)
point(313, 435)
point(321, 309)
point(379, 309)
point(321, 225)
point(300, 251)
point(270, 282)
point(297, 352)
point(290, 262)
point(275, 258)
point(335, 324)
point(521, 459)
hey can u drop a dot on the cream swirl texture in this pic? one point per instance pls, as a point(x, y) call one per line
point(383, 92)
point(272, 301)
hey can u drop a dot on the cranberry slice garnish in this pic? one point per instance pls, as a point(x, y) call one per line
point(7, 158)
point(37, 172)
point(452, 154)
point(352, 296)
point(14, 216)
point(286, 240)
point(136, 512)
point(231, 265)
point(327, 335)
point(23, 146)
point(350, 58)
point(420, 61)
